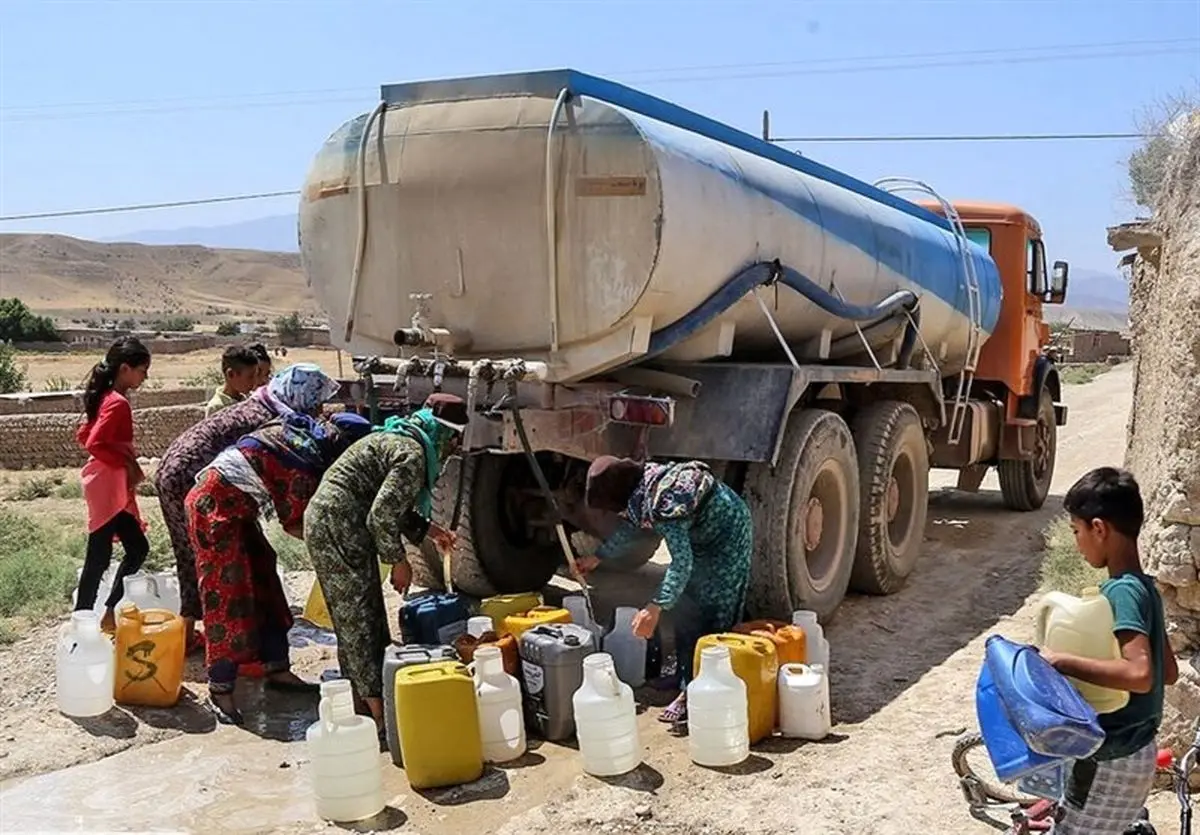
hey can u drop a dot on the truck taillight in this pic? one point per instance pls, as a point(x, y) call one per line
point(644, 411)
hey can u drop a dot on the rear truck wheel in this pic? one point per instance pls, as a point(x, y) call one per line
point(893, 476)
point(498, 550)
point(1025, 484)
point(805, 513)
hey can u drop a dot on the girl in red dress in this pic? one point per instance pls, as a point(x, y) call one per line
point(111, 473)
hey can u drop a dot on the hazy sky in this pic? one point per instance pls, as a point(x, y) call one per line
point(108, 103)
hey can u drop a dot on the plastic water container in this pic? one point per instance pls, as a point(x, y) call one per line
point(467, 645)
point(790, 640)
point(502, 605)
point(551, 671)
point(718, 715)
point(84, 668)
point(433, 618)
point(627, 650)
point(520, 623)
point(816, 647)
point(501, 721)
point(396, 658)
point(168, 590)
point(479, 624)
point(1082, 626)
point(150, 657)
point(439, 725)
point(754, 662)
point(141, 590)
point(804, 702)
point(1029, 715)
point(606, 720)
point(344, 749)
point(576, 604)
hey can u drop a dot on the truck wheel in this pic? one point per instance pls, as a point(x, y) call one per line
point(893, 475)
point(494, 556)
point(805, 514)
point(1025, 484)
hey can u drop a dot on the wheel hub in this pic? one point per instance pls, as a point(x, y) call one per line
point(893, 498)
point(814, 523)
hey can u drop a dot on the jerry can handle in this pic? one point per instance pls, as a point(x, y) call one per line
point(614, 681)
point(153, 583)
point(324, 710)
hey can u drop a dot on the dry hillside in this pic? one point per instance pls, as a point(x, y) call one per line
point(62, 276)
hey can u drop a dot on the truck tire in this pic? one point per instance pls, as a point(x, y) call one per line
point(489, 559)
point(805, 513)
point(1026, 484)
point(893, 476)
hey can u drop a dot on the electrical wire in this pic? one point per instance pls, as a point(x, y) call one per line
point(143, 207)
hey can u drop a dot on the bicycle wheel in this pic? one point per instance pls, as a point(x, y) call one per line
point(971, 762)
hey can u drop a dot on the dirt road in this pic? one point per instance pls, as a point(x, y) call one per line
point(902, 688)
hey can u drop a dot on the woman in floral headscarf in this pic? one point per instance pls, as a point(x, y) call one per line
point(300, 388)
point(272, 472)
point(707, 529)
point(380, 490)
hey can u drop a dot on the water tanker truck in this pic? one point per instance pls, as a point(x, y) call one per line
point(598, 271)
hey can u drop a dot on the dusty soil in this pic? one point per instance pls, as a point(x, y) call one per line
point(167, 371)
point(902, 689)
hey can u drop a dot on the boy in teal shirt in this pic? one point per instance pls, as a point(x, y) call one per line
point(1106, 792)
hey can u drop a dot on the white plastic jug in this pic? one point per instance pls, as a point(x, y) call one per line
point(816, 647)
point(344, 749)
point(606, 720)
point(1082, 626)
point(628, 650)
point(501, 718)
point(718, 712)
point(141, 590)
point(804, 701)
point(85, 667)
point(576, 604)
point(478, 625)
point(167, 583)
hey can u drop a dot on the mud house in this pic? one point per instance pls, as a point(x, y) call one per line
point(1097, 346)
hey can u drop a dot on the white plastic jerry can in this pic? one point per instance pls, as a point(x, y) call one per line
point(804, 701)
point(606, 720)
point(344, 749)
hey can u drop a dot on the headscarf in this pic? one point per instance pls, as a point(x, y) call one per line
point(434, 438)
point(298, 388)
point(306, 443)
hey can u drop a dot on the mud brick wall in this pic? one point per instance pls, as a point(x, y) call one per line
point(69, 402)
point(1164, 432)
point(42, 441)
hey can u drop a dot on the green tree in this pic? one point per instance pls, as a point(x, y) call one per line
point(19, 324)
point(289, 328)
point(12, 376)
point(175, 323)
point(1161, 125)
point(228, 329)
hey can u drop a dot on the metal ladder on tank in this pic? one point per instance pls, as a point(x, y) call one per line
point(966, 377)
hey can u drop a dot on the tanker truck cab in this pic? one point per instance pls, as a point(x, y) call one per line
point(1014, 372)
point(598, 271)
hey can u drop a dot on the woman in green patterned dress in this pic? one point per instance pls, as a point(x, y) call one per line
point(706, 527)
point(378, 493)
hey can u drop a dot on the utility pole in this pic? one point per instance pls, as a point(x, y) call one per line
point(766, 126)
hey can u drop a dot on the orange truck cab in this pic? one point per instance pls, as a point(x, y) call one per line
point(1015, 372)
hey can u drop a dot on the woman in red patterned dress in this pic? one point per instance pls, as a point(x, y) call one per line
point(273, 471)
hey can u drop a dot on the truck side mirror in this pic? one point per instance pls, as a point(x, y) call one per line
point(1058, 283)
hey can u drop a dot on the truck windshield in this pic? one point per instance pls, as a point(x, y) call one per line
point(980, 235)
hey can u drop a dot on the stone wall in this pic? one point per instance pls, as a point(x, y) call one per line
point(1164, 431)
point(43, 441)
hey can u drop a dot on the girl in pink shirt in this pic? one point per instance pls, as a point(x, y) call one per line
point(112, 473)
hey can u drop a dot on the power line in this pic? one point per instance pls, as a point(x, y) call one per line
point(816, 66)
point(265, 195)
point(979, 137)
point(141, 207)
